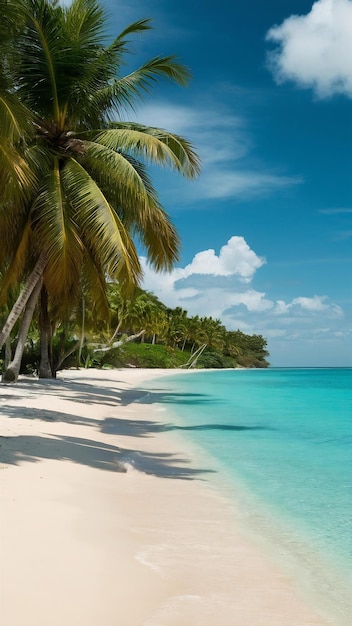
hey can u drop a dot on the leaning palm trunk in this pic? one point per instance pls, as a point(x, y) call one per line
point(117, 330)
point(45, 336)
point(13, 369)
point(22, 299)
point(117, 344)
point(192, 361)
point(81, 343)
point(8, 352)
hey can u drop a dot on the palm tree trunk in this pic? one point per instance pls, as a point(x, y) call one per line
point(22, 299)
point(8, 352)
point(45, 336)
point(116, 331)
point(81, 343)
point(12, 371)
point(192, 361)
point(197, 355)
point(117, 344)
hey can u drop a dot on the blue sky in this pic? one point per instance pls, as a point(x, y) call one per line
point(266, 230)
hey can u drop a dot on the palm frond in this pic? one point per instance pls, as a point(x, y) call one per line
point(107, 60)
point(101, 228)
point(135, 27)
point(122, 93)
point(13, 220)
point(55, 232)
point(15, 118)
point(18, 264)
point(85, 25)
point(40, 44)
point(154, 144)
point(131, 192)
point(39, 159)
point(95, 285)
point(17, 180)
point(80, 67)
point(160, 239)
point(117, 174)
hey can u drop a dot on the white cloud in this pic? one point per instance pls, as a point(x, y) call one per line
point(235, 257)
point(211, 283)
point(254, 301)
point(314, 50)
point(281, 308)
point(316, 303)
point(218, 285)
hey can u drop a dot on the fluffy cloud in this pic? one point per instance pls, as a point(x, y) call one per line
point(236, 257)
point(315, 304)
point(211, 283)
point(218, 285)
point(314, 50)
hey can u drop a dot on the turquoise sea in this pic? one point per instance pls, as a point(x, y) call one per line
point(279, 441)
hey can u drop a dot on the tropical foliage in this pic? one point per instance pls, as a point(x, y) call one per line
point(75, 195)
point(161, 337)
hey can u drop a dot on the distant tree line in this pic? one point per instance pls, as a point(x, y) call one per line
point(144, 332)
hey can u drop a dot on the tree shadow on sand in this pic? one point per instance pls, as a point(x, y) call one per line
point(87, 393)
point(89, 452)
point(146, 428)
point(19, 449)
point(46, 415)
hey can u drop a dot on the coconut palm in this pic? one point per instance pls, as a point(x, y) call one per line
point(177, 330)
point(92, 194)
point(213, 333)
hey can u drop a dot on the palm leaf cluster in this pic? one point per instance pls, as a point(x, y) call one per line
point(74, 180)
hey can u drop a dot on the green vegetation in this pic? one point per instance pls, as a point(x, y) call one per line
point(161, 338)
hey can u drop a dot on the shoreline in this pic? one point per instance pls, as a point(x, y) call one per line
point(106, 519)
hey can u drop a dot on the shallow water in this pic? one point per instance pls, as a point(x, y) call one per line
point(280, 441)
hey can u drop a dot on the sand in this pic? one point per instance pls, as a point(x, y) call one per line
point(107, 520)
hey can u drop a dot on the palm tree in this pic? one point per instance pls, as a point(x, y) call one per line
point(213, 333)
point(195, 332)
point(92, 193)
point(176, 326)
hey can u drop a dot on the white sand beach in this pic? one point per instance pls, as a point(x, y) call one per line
point(106, 520)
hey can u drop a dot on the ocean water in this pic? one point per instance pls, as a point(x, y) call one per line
point(280, 441)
